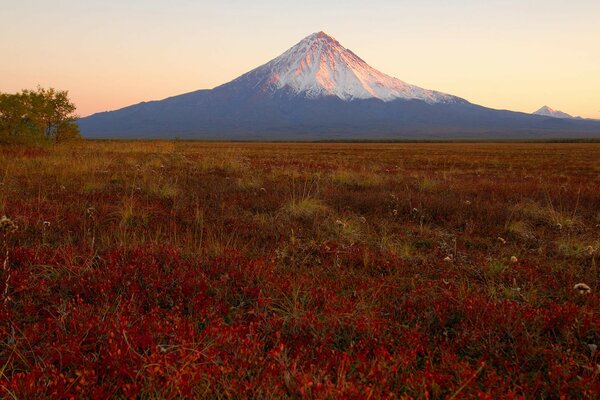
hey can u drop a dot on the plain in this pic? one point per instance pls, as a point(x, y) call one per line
point(239, 270)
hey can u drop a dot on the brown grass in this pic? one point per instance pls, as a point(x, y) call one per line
point(373, 223)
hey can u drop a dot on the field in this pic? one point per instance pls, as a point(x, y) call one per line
point(231, 270)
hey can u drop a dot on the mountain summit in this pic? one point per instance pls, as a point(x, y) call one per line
point(549, 112)
point(320, 66)
point(320, 90)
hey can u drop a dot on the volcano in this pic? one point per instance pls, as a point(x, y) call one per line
point(549, 112)
point(320, 90)
point(320, 66)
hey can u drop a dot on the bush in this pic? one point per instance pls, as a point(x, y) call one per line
point(35, 116)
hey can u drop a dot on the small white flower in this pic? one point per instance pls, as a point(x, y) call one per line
point(91, 212)
point(340, 223)
point(590, 250)
point(582, 288)
point(448, 259)
point(514, 259)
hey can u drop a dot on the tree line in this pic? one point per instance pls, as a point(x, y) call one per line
point(37, 115)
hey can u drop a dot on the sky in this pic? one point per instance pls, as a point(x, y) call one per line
point(511, 54)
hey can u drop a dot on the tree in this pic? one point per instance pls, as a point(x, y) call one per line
point(14, 115)
point(67, 131)
point(41, 113)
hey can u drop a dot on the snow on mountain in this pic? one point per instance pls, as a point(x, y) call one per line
point(320, 66)
point(549, 112)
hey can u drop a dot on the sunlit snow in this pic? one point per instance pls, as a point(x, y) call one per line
point(319, 66)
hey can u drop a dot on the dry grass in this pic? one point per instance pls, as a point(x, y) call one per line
point(318, 270)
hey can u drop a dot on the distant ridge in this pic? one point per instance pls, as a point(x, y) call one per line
point(320, 90)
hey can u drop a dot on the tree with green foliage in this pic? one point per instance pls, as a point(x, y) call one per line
point(13, 115)
point(41, 114)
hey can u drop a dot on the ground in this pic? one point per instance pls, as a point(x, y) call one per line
point(232, 270)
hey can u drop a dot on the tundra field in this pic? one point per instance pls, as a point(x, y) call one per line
point(230, 270)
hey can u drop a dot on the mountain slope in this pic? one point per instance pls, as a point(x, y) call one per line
point(320, 66)
point(320, 90)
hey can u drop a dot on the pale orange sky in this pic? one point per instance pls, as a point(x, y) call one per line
point(517, 55)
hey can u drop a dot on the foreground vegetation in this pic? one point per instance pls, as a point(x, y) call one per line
point(174, 269)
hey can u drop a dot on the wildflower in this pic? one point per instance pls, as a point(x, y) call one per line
point(7, 226)
point(590, 250)
point(163, 348)
point(582, 288)
point(514, 259)
point(448, 259)
point(501, 240)
point(415, 210)
point(46, 224)
point(340, 223)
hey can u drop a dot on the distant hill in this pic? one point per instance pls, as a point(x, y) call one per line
point(549, 112)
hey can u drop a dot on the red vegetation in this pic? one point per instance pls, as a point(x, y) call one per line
point(144, 303)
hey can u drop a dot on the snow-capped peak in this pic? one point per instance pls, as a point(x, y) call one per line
point(320, 66)
point(549, 112)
